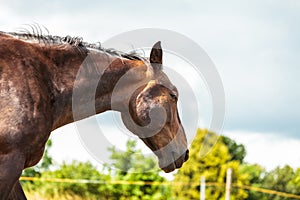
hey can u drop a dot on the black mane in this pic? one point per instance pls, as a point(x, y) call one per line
point(36, 34)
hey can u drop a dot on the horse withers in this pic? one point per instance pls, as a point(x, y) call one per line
point(38, 76)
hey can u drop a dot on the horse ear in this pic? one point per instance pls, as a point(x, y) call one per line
point(156, 56)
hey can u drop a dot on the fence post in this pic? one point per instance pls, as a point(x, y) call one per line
point(228, 183)
point(202, 188)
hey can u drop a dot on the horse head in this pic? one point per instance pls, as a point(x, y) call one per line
point(154, 118)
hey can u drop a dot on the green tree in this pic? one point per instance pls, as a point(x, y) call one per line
point(213, 166)
point(279, 179)
point(75, 171)
point(294, 183)
point(254, 174)
point(132, 166)
point(236, 151)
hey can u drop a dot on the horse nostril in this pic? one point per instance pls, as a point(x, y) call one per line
point(186, 155)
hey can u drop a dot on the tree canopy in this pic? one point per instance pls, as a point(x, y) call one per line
point(132, 167)
point(213, 167)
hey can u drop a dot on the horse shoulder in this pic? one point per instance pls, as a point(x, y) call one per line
point(25, 104)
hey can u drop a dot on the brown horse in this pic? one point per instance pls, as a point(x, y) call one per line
point(38, 75)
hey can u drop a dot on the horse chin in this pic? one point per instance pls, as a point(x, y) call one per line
point(172, 166)
point(169, 166)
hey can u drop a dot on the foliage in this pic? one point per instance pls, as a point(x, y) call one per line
point(254, 174)
point(213, 166)
point(237, 151)
point(284, 179)
point(294, 184)
point(131, 166)
point(75, 171)
point(280, 179)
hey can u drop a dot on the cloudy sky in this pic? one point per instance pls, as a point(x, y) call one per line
point(255, 46)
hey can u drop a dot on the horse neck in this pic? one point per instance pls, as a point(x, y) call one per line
point(92, 76)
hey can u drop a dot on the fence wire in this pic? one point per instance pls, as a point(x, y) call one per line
point(122, 182)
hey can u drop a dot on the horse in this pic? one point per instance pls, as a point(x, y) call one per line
point(38, 77)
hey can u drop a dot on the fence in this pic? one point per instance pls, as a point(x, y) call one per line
point(121, 182)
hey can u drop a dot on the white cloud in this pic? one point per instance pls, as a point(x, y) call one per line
point(70, 145)
point(67, 145)
point(268, 149)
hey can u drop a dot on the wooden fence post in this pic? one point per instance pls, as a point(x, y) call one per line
point(202, 188)
point(228, 184)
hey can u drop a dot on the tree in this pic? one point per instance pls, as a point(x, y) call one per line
point(236, 151)
point(75, 171)
point(254, 174)
point(131, 166)
point(294, 184)
point(279, 179)
point(213, 166)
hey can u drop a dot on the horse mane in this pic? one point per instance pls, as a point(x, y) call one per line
point(36, 34)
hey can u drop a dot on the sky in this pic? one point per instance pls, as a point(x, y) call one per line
point(255, 46)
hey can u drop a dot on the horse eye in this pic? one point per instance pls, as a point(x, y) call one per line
point(173, 96)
